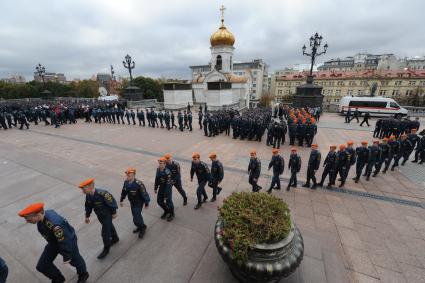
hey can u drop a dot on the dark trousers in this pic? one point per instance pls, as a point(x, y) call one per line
point(328, 171)
point(293, 179)
point(46, 266)
point(164, 199)
point(291, 140)
point(4, 271)
point(215, 187)
point(275, 181)
point(359, 169)
point(342, 171)
point(369, 168)
point(136, 211)
point(311, 175)
point(108, 229)
point(200, 191)
point(253, 183)
point(205, 130)
point(179, 187)
point(365, 121)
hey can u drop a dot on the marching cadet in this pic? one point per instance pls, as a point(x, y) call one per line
point(330, 167)
point(190, 118)
point(133, 116)
point(395, 148)
point(217, 175)
point(205, 124)
point(4, 271)
point(161, 117)
point(254, 171)
point(312, 166)
point(105, 207)
point(385, 157)
point(292, 132)
point(180, 120)
point(138, 197)
point(342, 164)
point(405, 150)
point(176, 179)
point(163, 189)
point(167, 120)
point(278, 164)
point(362, 153)
point(172, 121)
point(352, 154)
point(200, 119)
point(203, 175)
point(414, 139)
point(294, 165)
point(374, 158)
point(127, 116)
point(185, 119)
point(419, 152)
point(61, 239)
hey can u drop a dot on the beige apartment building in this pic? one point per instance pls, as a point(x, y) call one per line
point(336, 84)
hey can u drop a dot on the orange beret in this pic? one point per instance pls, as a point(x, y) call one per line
point(350, 142)
point(333, 146)
point(86, 183)
point(130, 170)
point(314, 145)
point(253, 151)
point(162, 159)
point(293, 149)
point(212, 155)
point(31, 209)
point(364, 142)
point(275, 150)
point(342, 146)
point(392, 138)
point(385, 139)
point(196, 155)
point(376, 141)
point(167, 156)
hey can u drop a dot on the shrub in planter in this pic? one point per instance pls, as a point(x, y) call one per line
point(257, 237)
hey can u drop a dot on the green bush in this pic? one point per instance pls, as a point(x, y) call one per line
point(253, 218)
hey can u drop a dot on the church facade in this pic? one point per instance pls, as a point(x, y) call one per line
point(215, 84)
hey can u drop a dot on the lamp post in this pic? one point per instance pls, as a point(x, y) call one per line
point(315, 42)
point(112, 73)
point(129, 65)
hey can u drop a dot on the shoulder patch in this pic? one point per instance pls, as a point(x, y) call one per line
point(59, 234)
point(49, 224)
point(108, 197)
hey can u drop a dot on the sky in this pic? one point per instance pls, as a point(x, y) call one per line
point(84, 37)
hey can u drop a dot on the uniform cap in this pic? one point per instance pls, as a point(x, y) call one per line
point(385, 139)
point(364, 142)
point(86, 183)
point(314, 145)
point(253, 151)
point(162, 159)
point(196, 155)
point(167, 156)
point(130, 170)
point(275, 150)
point(342, 146)
point(376, 141)
point(333, 146)
point(392, 138)
point(31, 209)
point(212, 155)
point(293, 149)
point(350, 142)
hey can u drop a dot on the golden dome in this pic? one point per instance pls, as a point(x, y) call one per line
point(222, 36)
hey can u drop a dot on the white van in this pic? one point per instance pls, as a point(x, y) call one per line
point(375, 105)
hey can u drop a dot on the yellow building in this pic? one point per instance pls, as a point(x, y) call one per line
point(397, 84)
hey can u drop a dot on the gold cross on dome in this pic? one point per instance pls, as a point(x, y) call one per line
point(222, 13)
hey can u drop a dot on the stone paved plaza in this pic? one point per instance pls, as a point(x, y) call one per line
point(368, 232)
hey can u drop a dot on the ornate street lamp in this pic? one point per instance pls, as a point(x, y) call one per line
point(315, 42)
point(129, 65)
point(112, 73)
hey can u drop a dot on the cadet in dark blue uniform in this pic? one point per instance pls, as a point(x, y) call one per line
point(163, 186)
point(374, 158)
point(362, 153)
point(176, 178)
point(313, 166)
point(395, 148)
point(406, 148)
point(342, 164)
point(330, 167)
point(204, 177)
point(138, 197)
point(414, 139)
point(105, 207)
point(352, 153)
point(217, 175)
point(278, 164)
point(294, 165)
point(61, 239)
point(385, 157)
point(254, 171)
point(4, 271)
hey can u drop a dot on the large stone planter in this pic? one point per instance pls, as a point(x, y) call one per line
point(266, 262)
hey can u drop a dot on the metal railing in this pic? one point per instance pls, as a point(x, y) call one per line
point(415, 111)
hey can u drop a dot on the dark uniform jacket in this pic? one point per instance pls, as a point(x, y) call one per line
point(202, 172)
point(163, 179)
point(385, 150)
point(217, 172)
point(352, 153)
point(174, 168)
point(57, 231)
point(294, 163)
point(330, 160)
point(375, 154)
point(102, 202)
point(254, 168)
point(342, 159)
point(362, 155)
point(136, 192)
point(278, 164)
point(314, 159)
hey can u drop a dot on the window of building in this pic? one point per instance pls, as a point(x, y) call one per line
point(412, 83)
point(218, 64)
point(279, 91)
point(254, 85)
point(398, 83)
point(338, 92)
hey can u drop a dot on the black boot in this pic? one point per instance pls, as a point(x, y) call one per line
point(288, 188)
point(219, 190)
point(136, 230)
point(60, 279)
point(306, 186)
point(269, 191)
point(114, 241)
point(104, 253)
point(83, 277)
point(185, 201)
point(142, 231)
point(342, 184)
point(164, 215)
point(213, 199)
point(198, 205)
point(170, 217)
point(205, 199)
point(314, 187)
